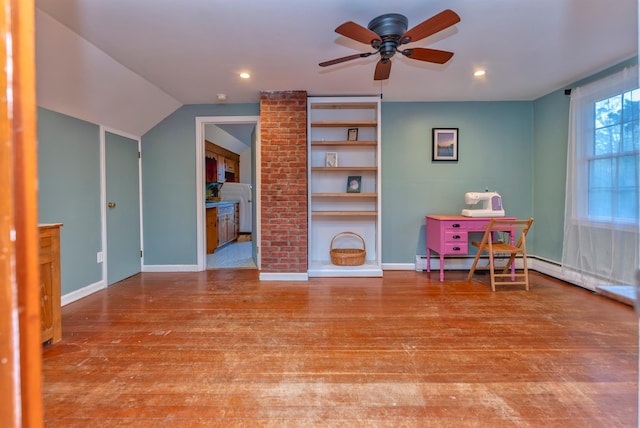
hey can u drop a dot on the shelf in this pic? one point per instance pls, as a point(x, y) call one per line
point(344, 195)
point(343, 106)
point(344, 213)
point(344, 124)
point(331, 209)
point(345, 143)
point(344, 168)
point(325, 268)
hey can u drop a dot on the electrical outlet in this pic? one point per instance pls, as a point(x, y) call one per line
point(100, 257)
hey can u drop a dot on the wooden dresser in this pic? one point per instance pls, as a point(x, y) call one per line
point(50, 304)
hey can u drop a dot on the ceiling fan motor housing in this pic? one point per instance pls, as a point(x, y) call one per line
point(387, 32)
point(390, 27)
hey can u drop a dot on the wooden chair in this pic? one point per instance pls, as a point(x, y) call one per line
point(518, 230)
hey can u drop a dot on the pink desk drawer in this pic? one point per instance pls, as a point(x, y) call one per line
point(455, 248)
point(453, 236)
point(463, 225)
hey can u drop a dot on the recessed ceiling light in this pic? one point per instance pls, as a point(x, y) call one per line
point(245, 75)
point(479, 73)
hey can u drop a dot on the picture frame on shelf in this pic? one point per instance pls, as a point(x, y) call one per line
point(444, 144)
point(352, 134)
point(354, 183)
point(332, 159)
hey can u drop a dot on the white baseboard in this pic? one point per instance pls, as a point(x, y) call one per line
point(82, 292)
point(451, 263)
point(398, 266)
point(547, 267)
point(554, 270)
point(283, 276)
point(101, 285)
point(170, 268)
point(461, 263)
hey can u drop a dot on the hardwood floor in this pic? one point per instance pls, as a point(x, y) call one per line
point(221, 348)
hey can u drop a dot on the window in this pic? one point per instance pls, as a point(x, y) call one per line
point(612, 164)
point(600, 243)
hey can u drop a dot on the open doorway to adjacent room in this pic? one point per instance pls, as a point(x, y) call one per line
point(228, 180)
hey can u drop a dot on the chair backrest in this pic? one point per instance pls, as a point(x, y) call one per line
point(516, 227)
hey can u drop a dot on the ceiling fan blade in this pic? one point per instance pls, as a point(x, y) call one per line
point(383, 70)
point(436, 23)
point(344, 58)
point(429, 55)
point(357, 32)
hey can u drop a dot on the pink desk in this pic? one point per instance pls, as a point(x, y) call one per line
point(448, 234)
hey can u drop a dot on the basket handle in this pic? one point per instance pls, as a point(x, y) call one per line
point(348, 233)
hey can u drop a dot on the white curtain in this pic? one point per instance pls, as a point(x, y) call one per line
point(600, 245)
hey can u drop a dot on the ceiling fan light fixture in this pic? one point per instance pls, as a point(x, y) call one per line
point(387, 50)
point(386, 32)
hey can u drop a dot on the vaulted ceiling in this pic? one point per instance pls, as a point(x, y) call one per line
point(165, 53)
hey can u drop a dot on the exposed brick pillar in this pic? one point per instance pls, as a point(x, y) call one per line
point(283, 140)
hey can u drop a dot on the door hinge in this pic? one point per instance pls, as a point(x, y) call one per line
point(140, 253)
point(139, 155)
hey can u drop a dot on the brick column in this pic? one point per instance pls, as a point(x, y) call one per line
point(283, 140)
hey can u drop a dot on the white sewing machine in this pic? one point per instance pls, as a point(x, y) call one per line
point(491, 204)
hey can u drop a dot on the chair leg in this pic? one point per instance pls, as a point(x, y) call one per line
point(492, 271)
point(512, 258)
point(473, 266)
point(526, 272)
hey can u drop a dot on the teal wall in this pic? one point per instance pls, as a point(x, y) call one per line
point(169, 183)
point(69, 193)
point(494, 151)
point(551, 126)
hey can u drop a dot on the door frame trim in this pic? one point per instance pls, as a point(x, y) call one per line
point(201, 121)
point(103, 196)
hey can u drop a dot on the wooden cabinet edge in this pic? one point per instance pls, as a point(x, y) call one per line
point(50, 255)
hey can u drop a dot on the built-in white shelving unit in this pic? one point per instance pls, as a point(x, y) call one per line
point(334, 156)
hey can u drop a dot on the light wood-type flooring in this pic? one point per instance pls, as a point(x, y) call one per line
point(221, 348)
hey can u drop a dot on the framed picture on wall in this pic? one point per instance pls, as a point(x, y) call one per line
point(353, 183)
point(352, 134)
point(444, 144)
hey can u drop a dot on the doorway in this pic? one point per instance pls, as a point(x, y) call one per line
point(246, 129)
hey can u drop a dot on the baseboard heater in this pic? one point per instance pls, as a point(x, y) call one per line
point(456, 263)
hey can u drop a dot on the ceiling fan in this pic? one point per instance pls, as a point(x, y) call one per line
point(387, 32)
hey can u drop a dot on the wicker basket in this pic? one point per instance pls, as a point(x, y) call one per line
point(347, 256)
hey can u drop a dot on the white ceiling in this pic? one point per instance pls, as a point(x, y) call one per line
point(194, 49)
